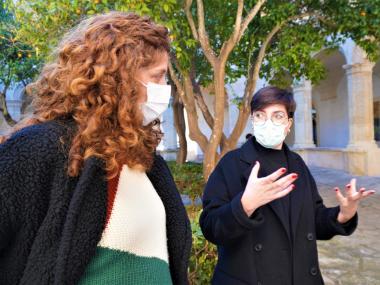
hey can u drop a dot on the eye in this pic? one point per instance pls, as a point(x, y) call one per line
point(158, 78)
point(259, 115)
point(279, 115)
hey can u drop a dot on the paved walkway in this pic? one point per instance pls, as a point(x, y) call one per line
point(353, 260)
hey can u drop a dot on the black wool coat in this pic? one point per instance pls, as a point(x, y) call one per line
point(265, 249)
point(50, 223)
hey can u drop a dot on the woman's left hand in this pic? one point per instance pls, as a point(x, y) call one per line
point(349, 204)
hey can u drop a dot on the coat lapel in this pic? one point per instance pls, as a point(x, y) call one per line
point(84, 223)
point(297, 195)
point(177, 223)
point(249, 155)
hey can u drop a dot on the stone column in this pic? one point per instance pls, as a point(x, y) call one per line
point(360, 105)
point(303, 124)
point(377, 118)
point(170, 134)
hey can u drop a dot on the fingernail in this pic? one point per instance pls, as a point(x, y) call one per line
point(348, 185)
point(293, 186)
point(336, 189)
point(283, 170)
point(294, 176)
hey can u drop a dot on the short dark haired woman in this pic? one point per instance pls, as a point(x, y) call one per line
point(262, 208)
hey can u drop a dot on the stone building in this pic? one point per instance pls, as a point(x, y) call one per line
point(337, 122)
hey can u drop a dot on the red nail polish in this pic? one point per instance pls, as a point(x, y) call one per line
point(294, 176)
point(336, 189)
point(283, 170)
point(348, 186)
point(293, 187)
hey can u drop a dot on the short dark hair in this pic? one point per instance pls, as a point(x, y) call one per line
point(271, 95)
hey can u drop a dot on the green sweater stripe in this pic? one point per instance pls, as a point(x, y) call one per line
point(115, 267)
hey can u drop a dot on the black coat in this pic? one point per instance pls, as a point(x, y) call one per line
point(50, 224)
point(264, 249)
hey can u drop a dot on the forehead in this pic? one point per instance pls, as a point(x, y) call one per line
point(270, 109)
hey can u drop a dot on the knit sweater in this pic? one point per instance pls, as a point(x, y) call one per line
point(51, 224)
point(133, 248)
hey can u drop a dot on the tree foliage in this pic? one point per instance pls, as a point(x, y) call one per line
point(278, 44)
point(216, 42)
point(18, 60)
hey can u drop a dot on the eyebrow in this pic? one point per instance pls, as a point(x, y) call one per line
point(160, 71)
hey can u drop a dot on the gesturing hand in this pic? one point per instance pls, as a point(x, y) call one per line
point(260, 191)
point(349, 204)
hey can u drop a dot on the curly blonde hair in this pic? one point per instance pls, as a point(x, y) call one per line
point(92, 80)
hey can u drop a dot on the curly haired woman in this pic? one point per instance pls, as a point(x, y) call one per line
point(84, 199)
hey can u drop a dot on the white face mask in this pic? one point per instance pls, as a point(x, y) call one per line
point(158, 97)
point(269, 135)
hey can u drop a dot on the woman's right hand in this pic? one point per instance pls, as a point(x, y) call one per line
point(261, 191)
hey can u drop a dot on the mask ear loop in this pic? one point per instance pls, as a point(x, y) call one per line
point(251, 119)
point(145, 85)
point(290, 120)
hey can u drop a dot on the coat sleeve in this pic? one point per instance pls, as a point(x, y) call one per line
point(327, 225)
point(11, 186)
point(5, 222)
point(223, 219)
point(178, 228)
point(23, 167)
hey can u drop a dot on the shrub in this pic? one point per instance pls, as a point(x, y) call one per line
point(189, 180)
point(203, 253)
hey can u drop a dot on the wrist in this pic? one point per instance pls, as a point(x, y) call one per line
point(342, 219)
point(248, 206)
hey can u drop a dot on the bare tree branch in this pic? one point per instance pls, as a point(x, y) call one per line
point(248, 19)
point(203, 37)
point(200, 34)
point(228, 45)
point(238, 20)
point(175, 78)
point(190, 19)
point(186, 94)
point(325, 21)
point(203, 107)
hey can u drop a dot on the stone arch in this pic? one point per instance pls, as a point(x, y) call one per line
point(15, 97)
point(376, 99)
point(329, 98)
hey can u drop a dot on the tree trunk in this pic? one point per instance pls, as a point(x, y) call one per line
point(26, 100)
point(195, 132)
point(205, 111)
point(244, 110)
point(186, 94)
point(180, 126)
point(4, 108)
point(211, 155)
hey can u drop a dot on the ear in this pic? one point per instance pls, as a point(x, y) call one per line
point(290, 124)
